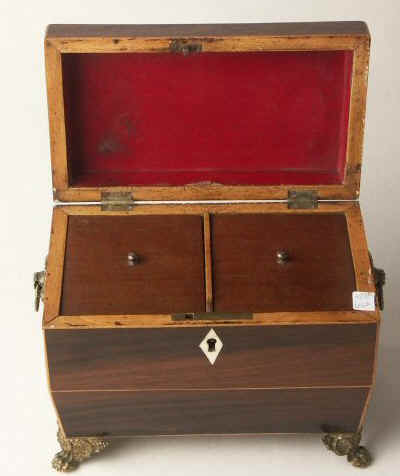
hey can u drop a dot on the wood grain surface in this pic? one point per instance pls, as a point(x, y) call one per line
point(278, 29)
point(362, 268)
point(55, 265)
point(208, 262)
point(209, 412)
point(318, 276)
point(252, 357)
point(168, 278)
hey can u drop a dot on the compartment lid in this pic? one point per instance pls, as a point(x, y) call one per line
point(207, 112)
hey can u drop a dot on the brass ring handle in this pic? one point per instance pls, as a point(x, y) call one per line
point(282, 256)
point(133, 259)
point(380, 280)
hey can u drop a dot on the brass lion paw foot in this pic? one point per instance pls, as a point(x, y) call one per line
point(64, 462)
point(75, 450)
point(348, 444)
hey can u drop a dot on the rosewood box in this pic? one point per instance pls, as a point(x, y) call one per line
point(208, 270)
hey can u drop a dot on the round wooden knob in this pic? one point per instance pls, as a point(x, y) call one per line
point(282, 256)
point(133, 259)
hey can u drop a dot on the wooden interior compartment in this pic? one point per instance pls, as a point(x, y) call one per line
point(319, 275)
point(89, 282)
point(98, 278)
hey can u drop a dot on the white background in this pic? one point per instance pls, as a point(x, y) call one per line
point(28, 427)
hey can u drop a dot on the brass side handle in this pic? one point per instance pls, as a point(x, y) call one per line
point(39, 282)
point(380, 280)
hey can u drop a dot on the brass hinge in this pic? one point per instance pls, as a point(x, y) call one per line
point(116, 201)
point(302, 199)
point(185, 47)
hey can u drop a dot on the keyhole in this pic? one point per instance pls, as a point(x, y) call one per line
point(211, 344)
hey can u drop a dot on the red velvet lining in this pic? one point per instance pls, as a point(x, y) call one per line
point(232, 118)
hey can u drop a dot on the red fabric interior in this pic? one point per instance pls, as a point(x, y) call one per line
point(234, 118)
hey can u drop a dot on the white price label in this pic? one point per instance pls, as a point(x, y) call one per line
point(363, 301)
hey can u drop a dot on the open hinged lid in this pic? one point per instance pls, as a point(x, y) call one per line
point(198, 112)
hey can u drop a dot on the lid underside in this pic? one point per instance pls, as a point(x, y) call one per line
point(245, 118)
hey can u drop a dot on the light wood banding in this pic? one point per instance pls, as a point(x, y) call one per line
point(208, 263)
point(55, 265)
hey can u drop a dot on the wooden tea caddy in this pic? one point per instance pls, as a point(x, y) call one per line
point(229, 310)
